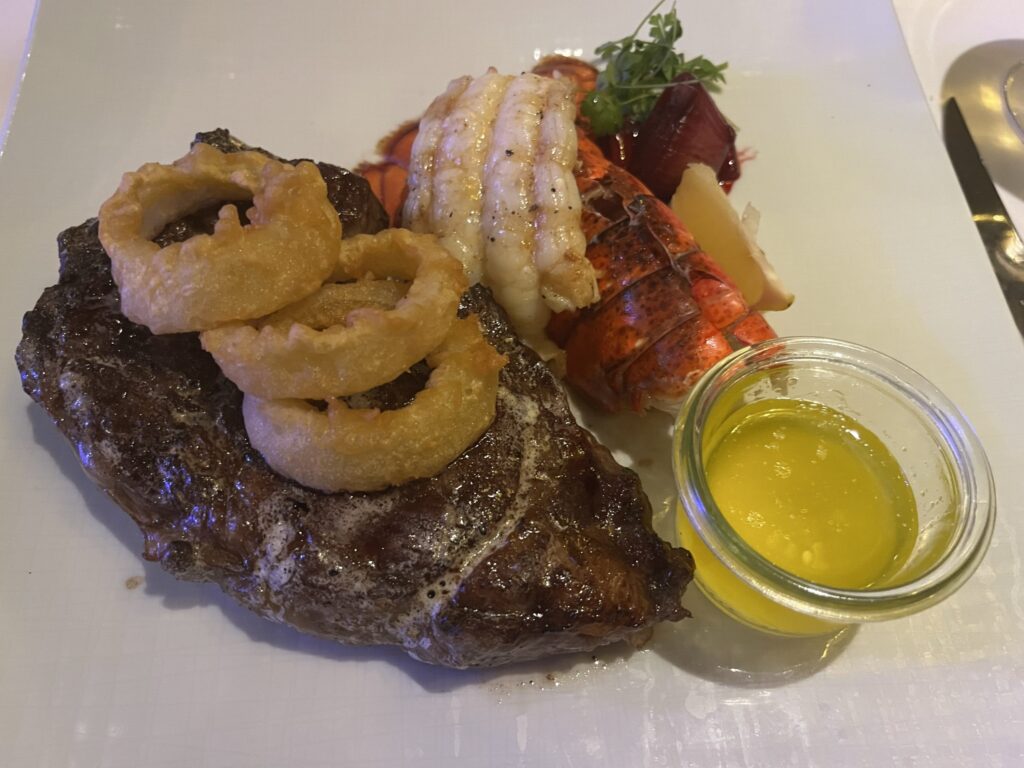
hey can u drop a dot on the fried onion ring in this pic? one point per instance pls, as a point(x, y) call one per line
point(331, 304)
point(285, 357)
point(287, 250)
point(366, 449)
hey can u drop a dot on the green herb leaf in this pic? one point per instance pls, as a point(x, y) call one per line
point(635, 72)
point(603, 111)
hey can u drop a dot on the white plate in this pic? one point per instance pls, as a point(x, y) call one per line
point(861, 215)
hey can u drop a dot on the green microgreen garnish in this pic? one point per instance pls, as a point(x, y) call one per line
point(637, 71)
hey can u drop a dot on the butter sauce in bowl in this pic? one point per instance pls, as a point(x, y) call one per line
point(823, 484)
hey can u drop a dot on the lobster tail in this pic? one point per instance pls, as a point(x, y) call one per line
point(667, 311)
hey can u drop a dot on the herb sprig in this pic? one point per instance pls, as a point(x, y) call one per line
point(637, 71)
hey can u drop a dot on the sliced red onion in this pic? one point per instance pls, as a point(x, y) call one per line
point(684, 127)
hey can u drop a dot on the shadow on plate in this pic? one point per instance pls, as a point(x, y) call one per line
point(716, 647)
point(183, 595)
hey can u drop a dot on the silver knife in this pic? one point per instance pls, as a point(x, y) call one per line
point(1003, 243)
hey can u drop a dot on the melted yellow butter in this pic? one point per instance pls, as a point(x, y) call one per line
point(813, 492)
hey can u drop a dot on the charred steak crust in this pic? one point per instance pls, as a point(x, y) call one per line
point(532, 542)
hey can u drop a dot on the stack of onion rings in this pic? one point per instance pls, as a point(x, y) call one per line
point(284, 357)
point(287, 250)
point(257, 294)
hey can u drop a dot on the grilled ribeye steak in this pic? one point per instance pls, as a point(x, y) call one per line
point(532, 542)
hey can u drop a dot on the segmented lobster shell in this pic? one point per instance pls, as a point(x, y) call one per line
point(667, 312)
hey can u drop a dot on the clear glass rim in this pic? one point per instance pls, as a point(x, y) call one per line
point(976, 515)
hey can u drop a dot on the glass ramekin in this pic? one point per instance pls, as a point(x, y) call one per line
point(938, 452)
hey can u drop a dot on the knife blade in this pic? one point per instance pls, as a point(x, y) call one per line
point(998, 234)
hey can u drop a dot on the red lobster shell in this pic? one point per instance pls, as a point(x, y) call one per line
point(667, 312)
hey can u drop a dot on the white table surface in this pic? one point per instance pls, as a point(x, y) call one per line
point(938, 32)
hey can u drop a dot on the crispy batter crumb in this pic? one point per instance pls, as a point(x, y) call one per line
point(134, 582)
